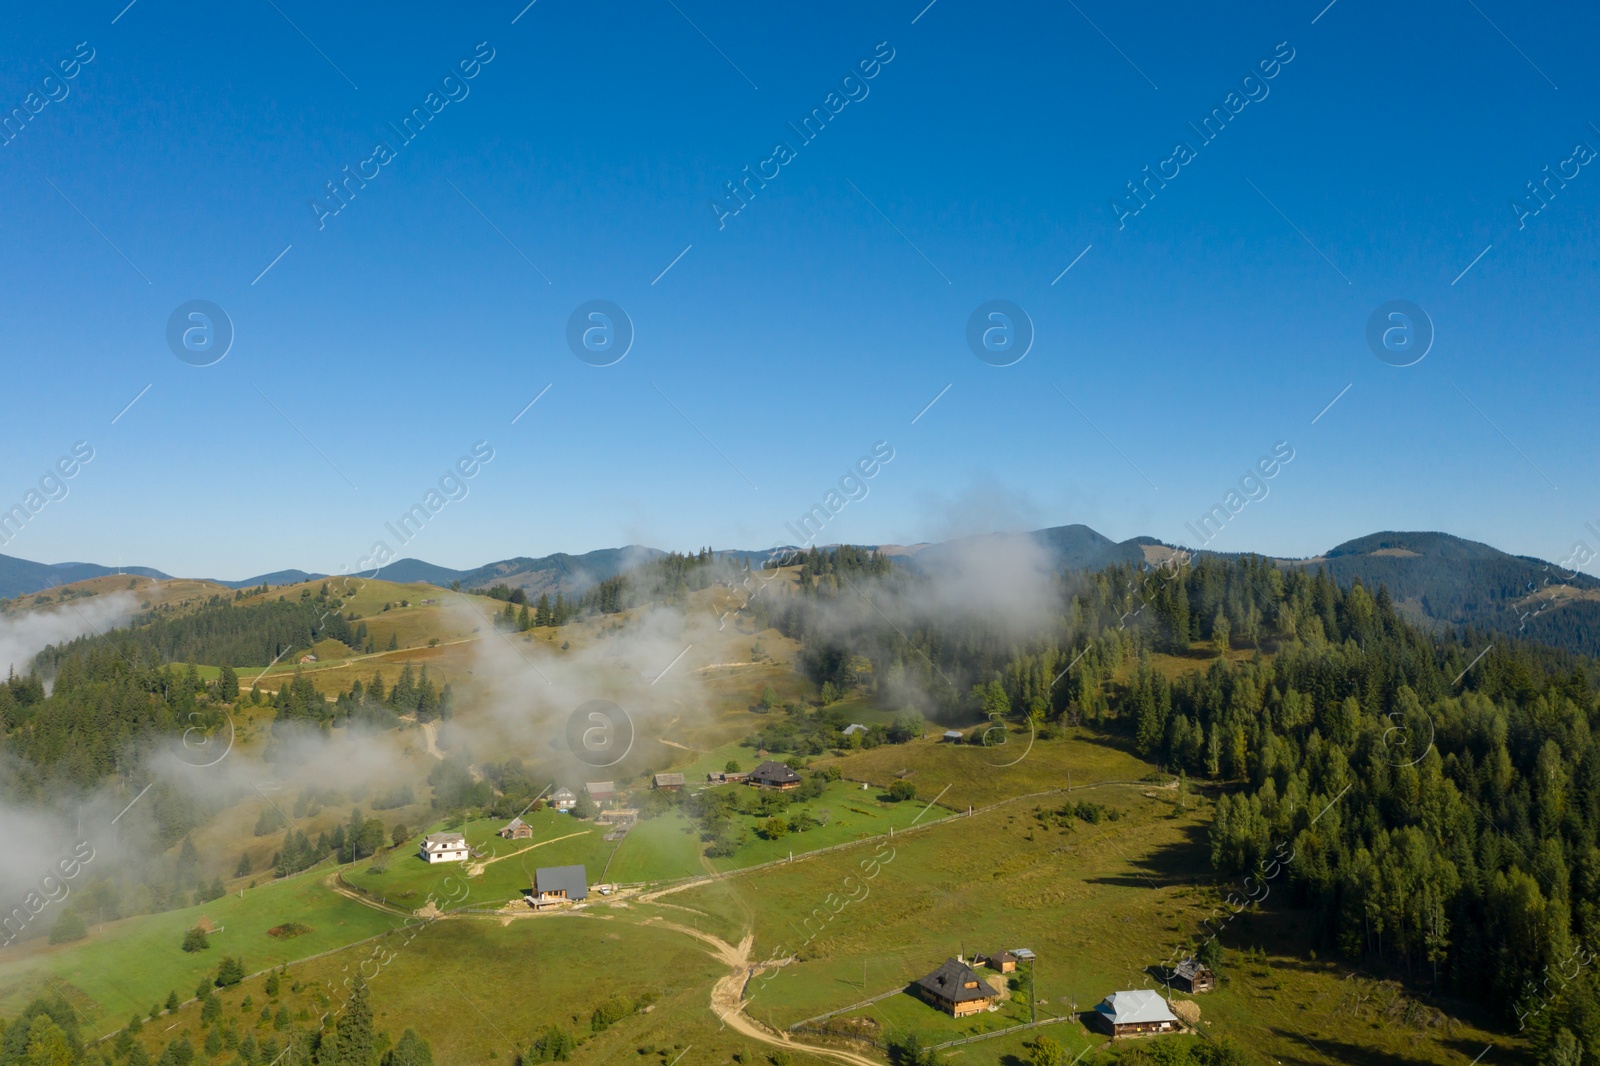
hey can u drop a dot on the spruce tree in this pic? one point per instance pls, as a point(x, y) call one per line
point(352, 1036)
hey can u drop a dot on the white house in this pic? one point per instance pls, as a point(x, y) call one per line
point(562, 799)
point(444, 847)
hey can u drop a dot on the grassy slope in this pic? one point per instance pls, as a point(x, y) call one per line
point(137, 961)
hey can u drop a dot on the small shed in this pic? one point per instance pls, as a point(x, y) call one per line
point(1192, 976)
point(667, 782)
point(516, 829)
point(559, 884)
point(774, 775)
point(717, 777)
point(952, 736)
point(1000, 961)
point(853, 728)
point(1136, 1013)
point(957, 989)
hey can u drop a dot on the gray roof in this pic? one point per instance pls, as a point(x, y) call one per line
point(562, 793)
point(950, 982)
point(1189, 969)
point(669, 779)
point(447, 839)
point(515, 822)
point(952, 734)
point(574, 879)
point(852, 728)
point(773, 771)
point(594, 787)
point(1141, 1006)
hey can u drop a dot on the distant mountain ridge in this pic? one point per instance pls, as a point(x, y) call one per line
point(1434, 577)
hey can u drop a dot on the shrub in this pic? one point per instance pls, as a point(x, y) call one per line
point(611, 1011)
point(69, 926)
point(902, 790)
point(195, 940)
point(286, 931)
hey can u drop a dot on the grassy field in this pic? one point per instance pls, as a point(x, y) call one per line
point(664, 848)
point(137, 961)
point(506, 868)
point(977, 775)
point(851, 814)
point(1098, 903)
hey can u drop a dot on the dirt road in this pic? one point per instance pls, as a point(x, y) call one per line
point(727, 997)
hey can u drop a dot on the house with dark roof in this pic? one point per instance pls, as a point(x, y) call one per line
point(516, 829)
point(553, 885)
point(1192, 975)
point(1136, 1013)
point(957, 989)
point(667, 782)
point(774, 775)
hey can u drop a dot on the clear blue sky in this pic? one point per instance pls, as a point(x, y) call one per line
point(824, 316)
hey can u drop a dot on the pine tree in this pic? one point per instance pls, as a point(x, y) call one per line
point(228, 685)
point(541, 613)
point(352, 1036)
point(412, 1050)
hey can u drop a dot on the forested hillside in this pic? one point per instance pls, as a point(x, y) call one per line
point(252, 629)
point(1461, 582)
point(1442, 802)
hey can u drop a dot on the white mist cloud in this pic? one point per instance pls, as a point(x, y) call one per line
point(26, 635)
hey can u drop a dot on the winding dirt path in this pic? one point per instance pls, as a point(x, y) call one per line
point(727, 996)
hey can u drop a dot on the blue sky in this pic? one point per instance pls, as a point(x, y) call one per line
point(983, 159)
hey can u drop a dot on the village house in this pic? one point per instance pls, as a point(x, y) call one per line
point(444, 847)
point(554, 885)
point(957, 989)
point(563, 799)
point(774, 775)
point(667, 782)
point(1136, 1013)
point(1191, 975)
point(717, 777)
point(516, 829)
point(600, 791)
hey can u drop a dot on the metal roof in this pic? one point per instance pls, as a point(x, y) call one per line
point(573, 879)
point(1140, 1006)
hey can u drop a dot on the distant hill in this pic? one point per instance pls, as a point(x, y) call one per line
point(1074, 547)
point(277, 577)
point(1434, 577)
point(1454, 581)
point(550, 573)
point(20, 576)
